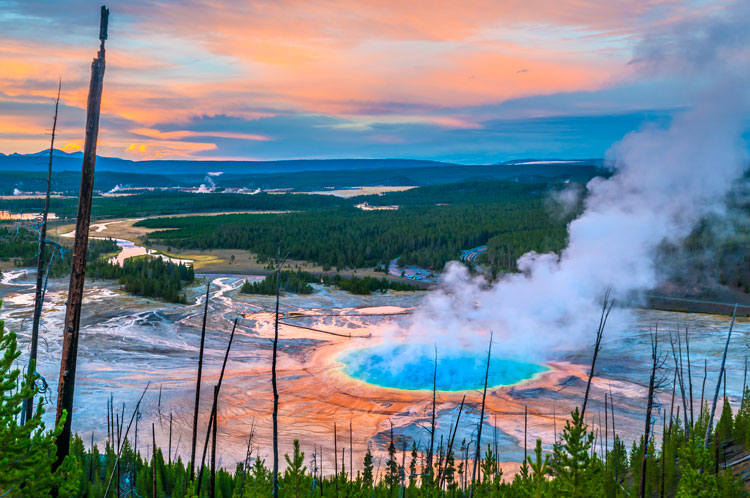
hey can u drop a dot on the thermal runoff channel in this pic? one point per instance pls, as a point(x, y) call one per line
point(415, 367)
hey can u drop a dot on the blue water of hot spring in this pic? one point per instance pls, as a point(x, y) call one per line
point(412, 367)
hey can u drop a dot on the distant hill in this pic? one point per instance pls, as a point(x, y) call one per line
point(64, 161)
point(26, 173)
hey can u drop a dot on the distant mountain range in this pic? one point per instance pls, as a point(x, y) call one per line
point(64, 161)
point(25, 172)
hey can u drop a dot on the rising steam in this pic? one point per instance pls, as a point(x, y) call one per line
point(664, 181)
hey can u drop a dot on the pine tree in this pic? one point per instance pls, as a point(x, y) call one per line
point(295, 471)
point(571, 459)
point(724, 427)
point(450, 472)
point(539, 470)
point(27, 451)
point(413, 466)
point(368, 468)
point(695, 480)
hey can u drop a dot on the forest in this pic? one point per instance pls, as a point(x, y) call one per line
point(145, 276)
point(432, 227)
point(149, 277)
point(166, 202)
point(298, 282)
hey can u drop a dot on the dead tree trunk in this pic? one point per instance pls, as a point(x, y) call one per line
point(663, 459)
point(274, 382)
point(38, 299)
point(703, 389)
point(119, 449)
point(67, 378)
point(441, 473)
point(678, 369)
point(481, 421)
point(690, 376)
point(169, 455)
point(351, 452)
point(432, 423)
point(649, 406)
point(525, 436)
point(198, 384)
point(606, 308)
point(214, 405)
point(153, 460)
point(212, 482)
point(614, 433)
point(606, 432)
point(718, 384)
point(335, 457)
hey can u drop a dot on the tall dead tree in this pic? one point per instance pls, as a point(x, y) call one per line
point(274, 383)
point(214, 405)
point(690, 376)
point(69, 357)
point(718, 384)
point(441, 472)
point(38, 299)
point(198, 384)
point(432, 423)
point(212, 482)
point(680, 379)
point(703, 388)
point(336, 454)
point(153, 460)
point(607, 304)
point(481, 421)
point(169, 452)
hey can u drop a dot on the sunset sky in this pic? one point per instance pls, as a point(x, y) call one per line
point(473, 82)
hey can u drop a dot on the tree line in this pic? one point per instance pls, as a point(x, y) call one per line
point(141, 276)
point(298, 282)
point(346, 237)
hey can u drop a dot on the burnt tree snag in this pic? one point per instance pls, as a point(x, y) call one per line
point(67, 378)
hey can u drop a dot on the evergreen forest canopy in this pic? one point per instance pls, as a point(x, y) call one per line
point(433, 225)
point(298, 282)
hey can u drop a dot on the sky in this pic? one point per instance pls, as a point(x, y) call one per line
point(471, 82)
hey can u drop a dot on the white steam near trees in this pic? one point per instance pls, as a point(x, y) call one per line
point(665, 179)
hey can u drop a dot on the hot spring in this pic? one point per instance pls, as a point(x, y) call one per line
point(412, 367)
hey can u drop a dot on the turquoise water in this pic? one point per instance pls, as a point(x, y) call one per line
point(412, 367)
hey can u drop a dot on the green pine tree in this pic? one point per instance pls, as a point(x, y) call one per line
point(571, 459)
point(295, 470)
point(695, 480)
point(27, 451)
point(368, 468)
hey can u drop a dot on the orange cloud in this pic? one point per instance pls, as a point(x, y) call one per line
point(345, 58)
point(177, 135)
point(71, 148)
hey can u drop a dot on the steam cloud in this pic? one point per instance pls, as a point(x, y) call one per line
point(664, 181)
